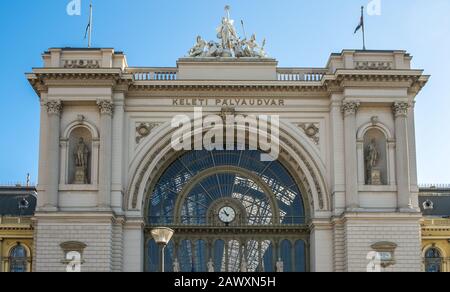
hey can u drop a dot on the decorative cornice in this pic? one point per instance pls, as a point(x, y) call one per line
point(106, 107)
point(54, 107)
point(400, 109)
point(350, 107)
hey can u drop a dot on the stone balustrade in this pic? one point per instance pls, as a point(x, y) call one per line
point(300, 74)
point(283, 74)
point(157, 74)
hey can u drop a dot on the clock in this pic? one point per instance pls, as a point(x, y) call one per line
point(227, 215)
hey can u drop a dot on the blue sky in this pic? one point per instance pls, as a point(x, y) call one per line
point(156, 33)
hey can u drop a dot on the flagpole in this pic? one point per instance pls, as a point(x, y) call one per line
point(363, 28)
point(90, 25)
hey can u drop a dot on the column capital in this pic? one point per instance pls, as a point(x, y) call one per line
point(350, 107)
point(106, 107)
point(400, 109)
point(54, 107)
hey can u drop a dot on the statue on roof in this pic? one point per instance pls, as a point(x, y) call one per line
point(198, 50)
point(226, 31)
point(229, 44)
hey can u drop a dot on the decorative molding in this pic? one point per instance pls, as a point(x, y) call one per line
point(400, 109)
point(350, 107)
point(307, 188)
point(73, 246)
point(54, 107)
point(311, 130)
point(106, 107)
point(373, 65)
point(81, 64)
point(144, 130)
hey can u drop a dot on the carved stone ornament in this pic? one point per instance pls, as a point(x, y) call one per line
point(144, 130)
point(54, 107)
point(400, 109)
point(386, 253)
point(106, 107)
point(227, 111)
point(311, 130)
point(368, 65)
point(82, 64)
point(350, 107)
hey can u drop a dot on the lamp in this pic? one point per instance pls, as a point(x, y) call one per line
point(162, 236)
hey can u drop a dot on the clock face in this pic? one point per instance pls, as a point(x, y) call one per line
point(227, 215)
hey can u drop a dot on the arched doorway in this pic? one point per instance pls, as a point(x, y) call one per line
point(231, 212)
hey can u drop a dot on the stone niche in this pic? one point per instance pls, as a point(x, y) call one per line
point(75, 171)
point(377, 174)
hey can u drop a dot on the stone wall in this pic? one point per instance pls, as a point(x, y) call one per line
point(100, 238)
point(362, 231)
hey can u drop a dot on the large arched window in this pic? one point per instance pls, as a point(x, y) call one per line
point(206, 177)
point(433, 261)
point(231, 212)
point(18, 259)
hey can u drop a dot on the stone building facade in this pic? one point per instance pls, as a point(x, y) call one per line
point(17, 206)
point(434, 201)
point(347, 144)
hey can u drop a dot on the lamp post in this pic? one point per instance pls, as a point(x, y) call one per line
point(162, 236)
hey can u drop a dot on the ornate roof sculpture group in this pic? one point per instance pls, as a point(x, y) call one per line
point(230, 45)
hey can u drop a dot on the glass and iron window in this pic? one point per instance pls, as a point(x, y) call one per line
point(433, 261)
point(201, 189)
point(18, 259)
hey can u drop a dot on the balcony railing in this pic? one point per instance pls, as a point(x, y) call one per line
point(153, 74)
point(434, 186)
point(283, 74)
point(301, 74)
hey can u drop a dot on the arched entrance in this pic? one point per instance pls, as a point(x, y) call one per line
point(231, 212)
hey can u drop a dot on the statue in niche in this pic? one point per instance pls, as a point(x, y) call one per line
point(81, 156)
point(244, 266)
point(280, 266)
point(210, 266)
point(176, 266)
point(372, 159)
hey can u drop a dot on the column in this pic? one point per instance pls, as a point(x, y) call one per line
point(261, 268)
point(117, 152)
point(337, 159)
point(1, 255)
point(400, 110)
point(134, 246)
point(54, 109)
point(42, 183)
point(105, 157)
point(349, 110)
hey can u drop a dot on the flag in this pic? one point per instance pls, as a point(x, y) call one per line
point(87, 29)
point(361, 23)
